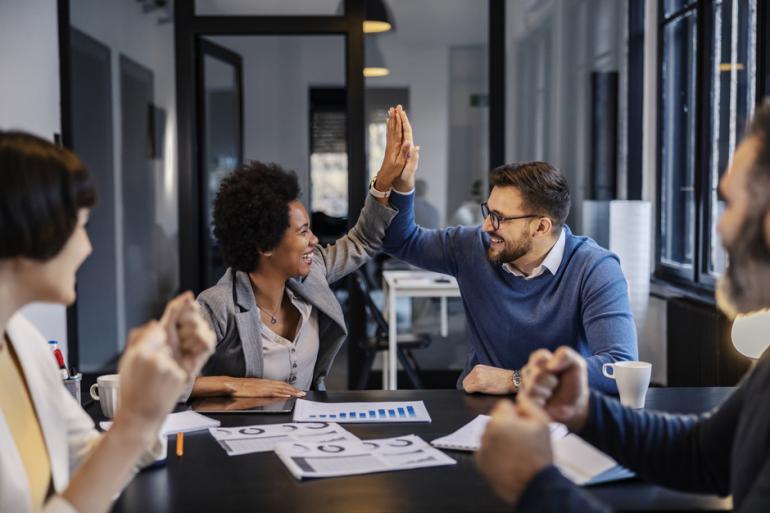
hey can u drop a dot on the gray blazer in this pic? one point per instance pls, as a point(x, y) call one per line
point(231, 308)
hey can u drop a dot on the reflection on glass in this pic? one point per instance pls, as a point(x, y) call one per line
point(678, 142)
point(733, 70)
point(221, 147)
point(122, 86)
point(673, 6)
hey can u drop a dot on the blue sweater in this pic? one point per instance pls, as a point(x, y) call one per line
point(724, 452)
point(585, 305)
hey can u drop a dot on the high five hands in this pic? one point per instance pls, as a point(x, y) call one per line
point(402, 157)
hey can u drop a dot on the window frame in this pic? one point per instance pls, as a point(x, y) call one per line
point(698, 279)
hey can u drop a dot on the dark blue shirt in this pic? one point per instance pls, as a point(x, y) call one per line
point(724, 452)
point(584, 305)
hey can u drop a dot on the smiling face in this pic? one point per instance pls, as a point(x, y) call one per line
point(53, 280)
point(294, 254)
point(513, 239)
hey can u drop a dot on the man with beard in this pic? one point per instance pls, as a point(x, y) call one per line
point(526, 281)
point(724, 452)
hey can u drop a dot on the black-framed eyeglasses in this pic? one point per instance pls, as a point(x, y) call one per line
point(497, 219)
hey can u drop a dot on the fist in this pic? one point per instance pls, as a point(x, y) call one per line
point(514, 448)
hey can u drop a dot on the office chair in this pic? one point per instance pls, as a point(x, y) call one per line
point(379, 342)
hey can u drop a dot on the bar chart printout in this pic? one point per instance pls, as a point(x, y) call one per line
point(395, 411)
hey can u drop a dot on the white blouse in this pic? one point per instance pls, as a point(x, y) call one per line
point(292, 361)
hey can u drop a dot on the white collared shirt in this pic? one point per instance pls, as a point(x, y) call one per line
point(552, 260)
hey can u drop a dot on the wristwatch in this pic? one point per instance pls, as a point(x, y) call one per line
point(516, 379)
point(378, 194)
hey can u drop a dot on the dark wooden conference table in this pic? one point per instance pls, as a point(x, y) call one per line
point(205, 479)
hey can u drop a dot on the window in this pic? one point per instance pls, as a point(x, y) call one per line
point(700, 124)
point(731, 101)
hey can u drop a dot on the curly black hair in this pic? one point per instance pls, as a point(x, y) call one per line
point(251, 212)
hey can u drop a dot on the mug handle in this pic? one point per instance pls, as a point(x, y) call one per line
point(605, 371)
point(94, 391)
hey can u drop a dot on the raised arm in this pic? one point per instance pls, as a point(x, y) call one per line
point(607, 320)
point(430, 249)
point(360, 244)
point(364, 240)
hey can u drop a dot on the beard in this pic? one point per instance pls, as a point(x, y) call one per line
point(512, 250)
point(745, 285)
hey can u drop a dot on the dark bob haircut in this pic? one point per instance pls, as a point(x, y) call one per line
point(543, 188)
point(42, 187)
point(251, 212)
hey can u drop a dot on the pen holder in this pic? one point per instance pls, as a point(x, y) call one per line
point(73, 386)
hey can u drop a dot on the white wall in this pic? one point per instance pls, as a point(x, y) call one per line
point(424, 70)
point(29, 100)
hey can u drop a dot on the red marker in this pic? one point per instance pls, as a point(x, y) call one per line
point(60, 361)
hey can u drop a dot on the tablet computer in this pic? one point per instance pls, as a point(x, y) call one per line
point(243, 405)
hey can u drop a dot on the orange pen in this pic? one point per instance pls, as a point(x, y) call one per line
point(179, 444)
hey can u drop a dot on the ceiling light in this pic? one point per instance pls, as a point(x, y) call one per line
point(374, 62)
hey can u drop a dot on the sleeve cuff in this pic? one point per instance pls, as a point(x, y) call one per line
point(592, 426)
point(394, 191)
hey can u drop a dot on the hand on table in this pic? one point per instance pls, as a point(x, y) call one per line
point(558, 382)
point(515, 447)
point(489, 380)
point(258, 387)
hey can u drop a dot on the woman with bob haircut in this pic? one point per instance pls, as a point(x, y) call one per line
point(277, 321)
point(52, 457)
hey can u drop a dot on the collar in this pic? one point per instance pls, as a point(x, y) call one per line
point(552, 260)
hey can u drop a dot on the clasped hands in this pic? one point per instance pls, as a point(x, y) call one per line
point(516, 445)
point(160, 360)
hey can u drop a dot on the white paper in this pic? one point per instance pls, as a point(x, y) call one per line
point(264, 437)
point(580, 461)
point(365, 457)
point(406, 411)
point(180, 422)
point(468, 437)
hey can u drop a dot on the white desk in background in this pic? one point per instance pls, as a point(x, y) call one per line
point(411, 284)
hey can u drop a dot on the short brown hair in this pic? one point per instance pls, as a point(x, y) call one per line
point(42, 187)
point(543, 187)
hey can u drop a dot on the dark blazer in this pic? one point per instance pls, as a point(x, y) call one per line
point(231, 309)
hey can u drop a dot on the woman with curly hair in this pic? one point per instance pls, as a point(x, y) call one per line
point(278, 323)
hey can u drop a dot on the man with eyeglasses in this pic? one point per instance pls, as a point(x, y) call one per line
point(526, 281)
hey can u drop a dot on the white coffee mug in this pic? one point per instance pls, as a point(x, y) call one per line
point(632, 379)
point(105, 390)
